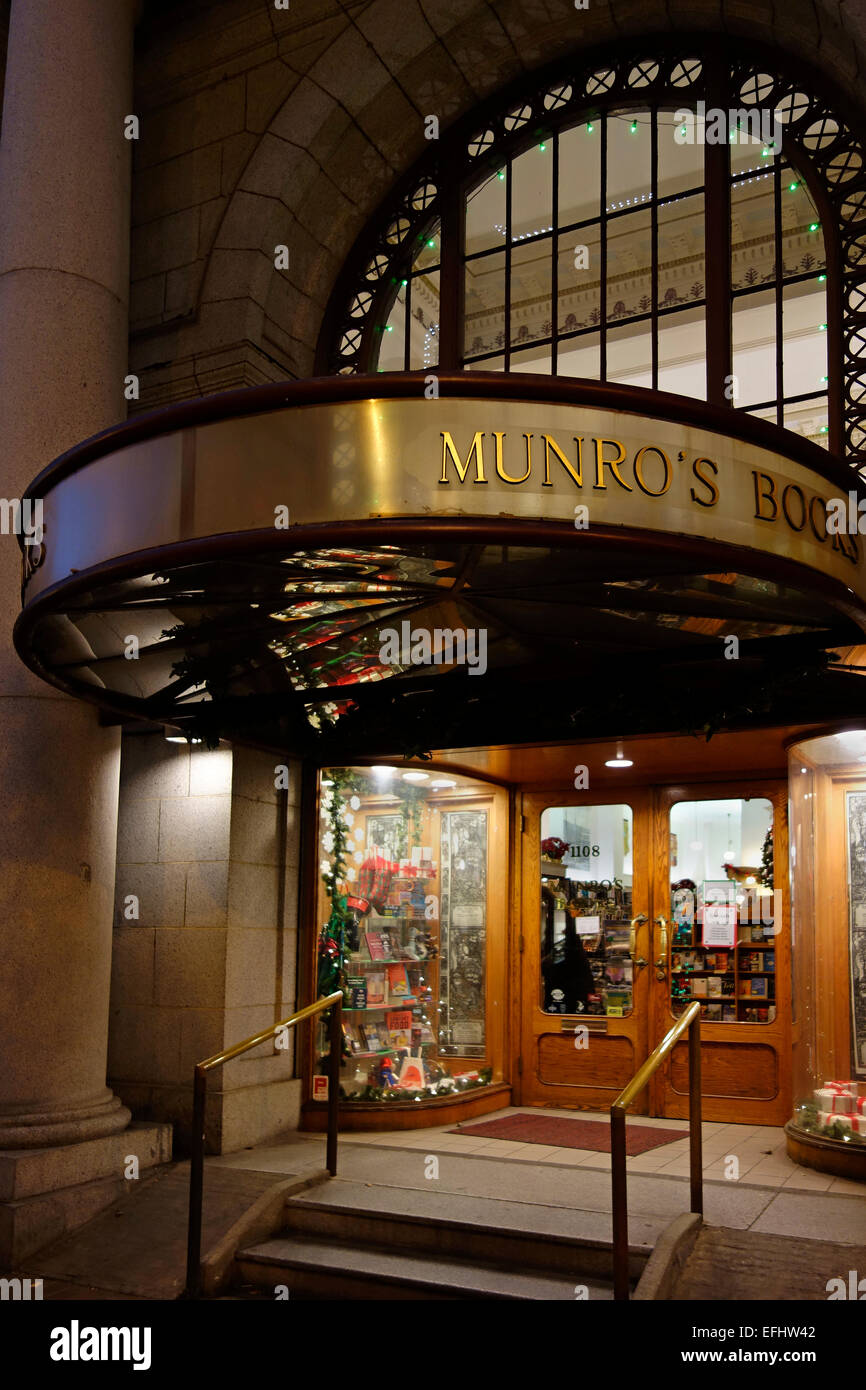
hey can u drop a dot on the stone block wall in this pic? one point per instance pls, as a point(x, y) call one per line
point(200, 960)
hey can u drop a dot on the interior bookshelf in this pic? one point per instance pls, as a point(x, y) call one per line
point(733, 984)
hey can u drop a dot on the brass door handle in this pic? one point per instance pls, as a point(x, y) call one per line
point(641, 963)
point(632, 936)
point(661, 963)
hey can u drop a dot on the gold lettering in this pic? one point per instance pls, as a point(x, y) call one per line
point(613, 464)
point(499, 435)
point(550, 443)
point(707, 482)
point(820, 535)
point(765, 496)
point(798, 492)
point(842, 542)
point(448, 447)
point(638, 470)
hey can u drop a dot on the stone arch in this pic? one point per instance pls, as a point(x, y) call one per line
point(352, 124)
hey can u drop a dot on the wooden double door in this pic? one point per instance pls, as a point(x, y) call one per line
point(583, 1059)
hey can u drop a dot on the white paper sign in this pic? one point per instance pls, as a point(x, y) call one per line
point(720, 924)
point(587, 926)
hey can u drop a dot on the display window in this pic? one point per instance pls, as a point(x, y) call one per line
point(405, 901)
point(721, 938)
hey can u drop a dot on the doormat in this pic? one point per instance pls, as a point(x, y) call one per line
point(571, 1134)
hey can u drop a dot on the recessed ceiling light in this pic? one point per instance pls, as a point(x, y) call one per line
point(441, 782)
point(383, 771)
point(416, 776)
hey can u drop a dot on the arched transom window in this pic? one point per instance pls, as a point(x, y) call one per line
point(679, 223)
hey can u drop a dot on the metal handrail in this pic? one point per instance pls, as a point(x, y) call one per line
point(691, 1020)
point(196, 1172)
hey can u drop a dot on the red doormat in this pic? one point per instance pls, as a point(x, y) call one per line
point(571, 1134)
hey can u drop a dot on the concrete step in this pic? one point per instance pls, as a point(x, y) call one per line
point(451, 1226)
point(332, 1269)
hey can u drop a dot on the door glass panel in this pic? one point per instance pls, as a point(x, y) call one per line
point(586, 892)
point(721, 938)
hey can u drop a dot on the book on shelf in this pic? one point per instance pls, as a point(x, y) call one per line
point(714, 985)
point(375, 989)
point(398, 982)
point(699, 987)
point(356, 987)
point(713, 1013)
point(769, 960)
point(759, 985)
point(745, 986)
point(729, 1013)
point(398, 1023)
point(375, 944)
point(372, 1037)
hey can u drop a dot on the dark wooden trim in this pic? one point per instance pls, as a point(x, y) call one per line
point(826, 1155)
point(408, 1114)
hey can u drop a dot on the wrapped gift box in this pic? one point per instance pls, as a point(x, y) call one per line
point(834, 1102)
point(856, 1123)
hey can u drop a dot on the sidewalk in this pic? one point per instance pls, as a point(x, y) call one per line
point(771, 1194)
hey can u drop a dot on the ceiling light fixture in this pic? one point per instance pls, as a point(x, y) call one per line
point(619, 760)
point(416, 776)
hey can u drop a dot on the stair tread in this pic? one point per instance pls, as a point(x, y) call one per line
point(477, 1214)
point(438, 1272)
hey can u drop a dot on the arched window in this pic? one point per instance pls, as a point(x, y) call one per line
point(680, 223)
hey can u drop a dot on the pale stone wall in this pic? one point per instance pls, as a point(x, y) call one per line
point(263, 127)
point(206, 963)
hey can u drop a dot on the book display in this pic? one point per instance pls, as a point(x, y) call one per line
point(405, 882)
point(735, 983)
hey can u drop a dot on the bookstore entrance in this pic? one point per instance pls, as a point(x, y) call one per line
point(636, 900)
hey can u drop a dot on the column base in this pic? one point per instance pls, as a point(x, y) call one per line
point(47, 1192)
point(44, 1129)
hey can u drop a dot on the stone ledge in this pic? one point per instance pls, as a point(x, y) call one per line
point(29, 1172)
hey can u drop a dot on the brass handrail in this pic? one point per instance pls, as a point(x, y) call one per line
point(196, 1172)
point(691, 1020)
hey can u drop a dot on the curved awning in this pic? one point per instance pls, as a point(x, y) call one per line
point(401, 562)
